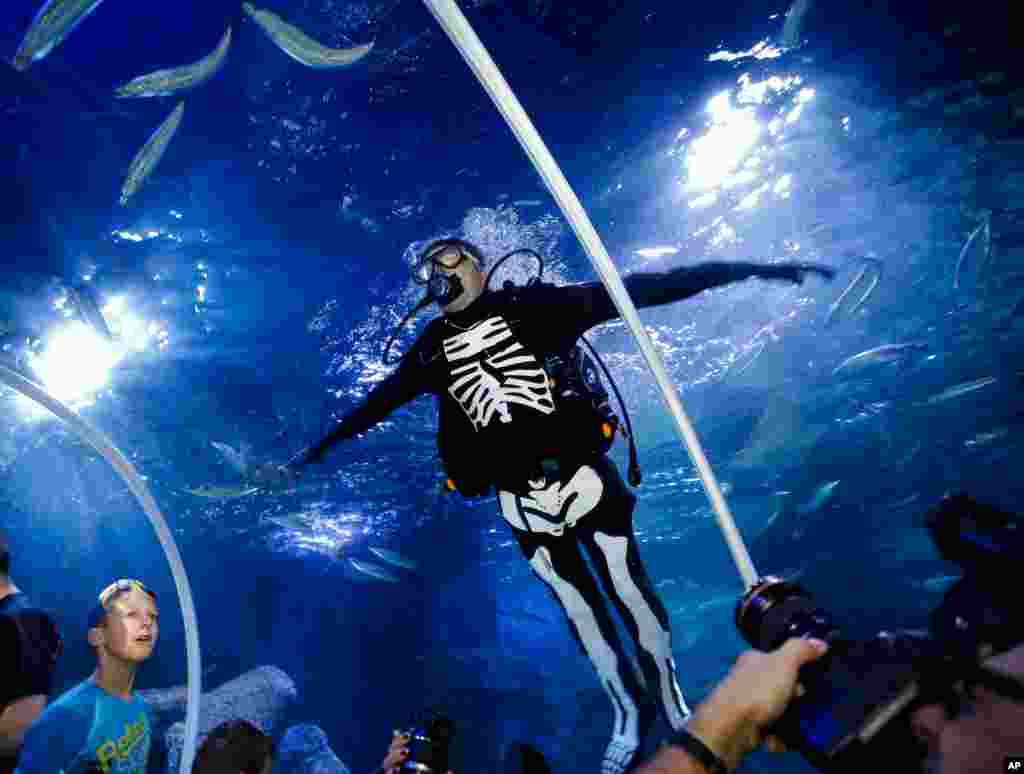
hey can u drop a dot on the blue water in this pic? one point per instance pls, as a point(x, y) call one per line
point(267, 250)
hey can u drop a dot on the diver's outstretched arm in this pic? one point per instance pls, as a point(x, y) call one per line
point(395, 391)
point(654, 289)
point(589, 304)
point(391, 394)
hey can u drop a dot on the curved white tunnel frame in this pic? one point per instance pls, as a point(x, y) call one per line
point(126, 470)
point(462, 35)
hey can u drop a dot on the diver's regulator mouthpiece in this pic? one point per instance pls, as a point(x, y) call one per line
point(444, 288)
point(441, 288)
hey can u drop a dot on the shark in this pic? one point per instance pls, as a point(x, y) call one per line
point(237, 460)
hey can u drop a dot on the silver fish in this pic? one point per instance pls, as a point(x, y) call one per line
point(755, 352)
point(374, 570)
point(985, 230)
point(821, 496)
point(908, 500)
point(145, 160)
point(982, 439)
point(292, 521)
point(54, 22)
point(394, 558)
point(794, 18)
point(870, 264)
point(961, 389)
point(887, 353)
point(940, 583)
point(222, 492)
point(238, 460)
point(163, 83)
point(299, 46)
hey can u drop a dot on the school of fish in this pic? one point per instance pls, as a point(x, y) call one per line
point(57, 19)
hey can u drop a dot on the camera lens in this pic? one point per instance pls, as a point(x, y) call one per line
point(774, 610)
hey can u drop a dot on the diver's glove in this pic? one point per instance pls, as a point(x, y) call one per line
point(796, 272)
point(273, 476)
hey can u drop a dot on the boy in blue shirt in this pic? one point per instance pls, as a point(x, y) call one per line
point(102, 724)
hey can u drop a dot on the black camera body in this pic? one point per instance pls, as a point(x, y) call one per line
point(429, 745)
point(860, 696)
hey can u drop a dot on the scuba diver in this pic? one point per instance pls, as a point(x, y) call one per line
point(519, 414)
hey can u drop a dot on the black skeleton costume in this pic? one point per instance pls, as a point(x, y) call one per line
point(502, 425)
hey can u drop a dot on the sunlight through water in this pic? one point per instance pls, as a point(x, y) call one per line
point(735, 150)
point(76, 361)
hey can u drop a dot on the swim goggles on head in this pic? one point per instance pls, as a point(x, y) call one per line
point(123, 584)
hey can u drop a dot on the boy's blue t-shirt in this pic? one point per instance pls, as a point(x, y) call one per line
point(88, 728)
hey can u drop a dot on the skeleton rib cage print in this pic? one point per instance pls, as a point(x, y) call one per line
point(491, 370)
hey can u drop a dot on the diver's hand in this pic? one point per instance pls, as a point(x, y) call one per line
point(273, 476)
point(797, 272)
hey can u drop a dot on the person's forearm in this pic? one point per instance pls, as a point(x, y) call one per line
point(15, 720)
point(654, 289)
point(359, 421)
point(671, 760)
point(396, 390)
point(315, 453)
point(722, 730)
point(664, 287)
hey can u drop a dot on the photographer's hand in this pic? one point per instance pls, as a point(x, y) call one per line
point(733, 720)
point(397, 753)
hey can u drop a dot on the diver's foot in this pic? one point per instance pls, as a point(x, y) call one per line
point(617, 757)
point(797, 272)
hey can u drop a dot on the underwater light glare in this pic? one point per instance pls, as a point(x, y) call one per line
point(783, 184)
point(656, 252)
point(129, 329)
point(704, 200)
point(76, 362)
point(713, 157)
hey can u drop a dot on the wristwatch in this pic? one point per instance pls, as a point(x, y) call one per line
point(700, 751)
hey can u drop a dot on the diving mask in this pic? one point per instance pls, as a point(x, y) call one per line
point(433, 270)
point(445, 255)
